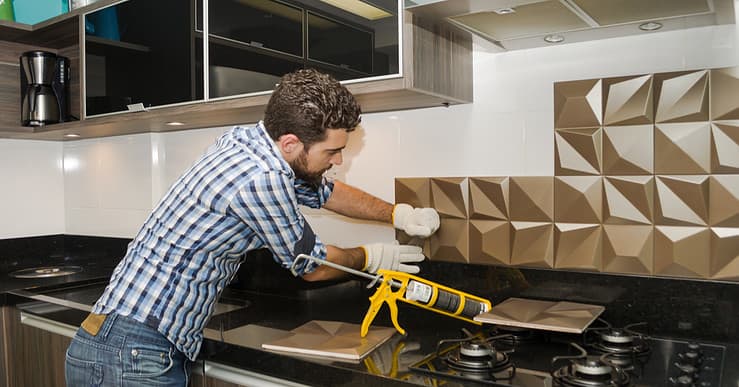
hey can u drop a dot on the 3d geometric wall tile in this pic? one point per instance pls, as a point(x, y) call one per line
point(577, 104)
point(681, 97)
point(577, 151)
point(628, 101)
point(723, 201)
point(577, 246)
point(533, 244)
point(490, 242)
point(725, 147)
point(578, 199)
point(682, 251)
point(451, 242)
point(628, 150)
point(628, 199)
point(488, 198)
point(683, 148)
point(628, 249)
point(415, 191)
point(532, 198)
point(724, 89)
point(725, 253)
point(449, 196)
point(681, 200)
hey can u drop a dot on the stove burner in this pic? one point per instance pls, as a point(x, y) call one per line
point(589, 371)
point(625, 345)
point(474, 354)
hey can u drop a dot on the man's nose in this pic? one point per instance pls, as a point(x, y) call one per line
point(337, 159)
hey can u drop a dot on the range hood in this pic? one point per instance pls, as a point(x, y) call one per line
point(517, 24)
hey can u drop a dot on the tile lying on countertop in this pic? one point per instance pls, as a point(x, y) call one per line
point(563, 316)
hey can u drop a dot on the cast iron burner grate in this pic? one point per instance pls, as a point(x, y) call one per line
point(586, 370)
point(627, 346)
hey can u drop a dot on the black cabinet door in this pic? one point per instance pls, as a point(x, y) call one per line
point(340, 44)
point(141, 51)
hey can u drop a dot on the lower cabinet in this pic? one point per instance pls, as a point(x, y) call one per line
point(33, 357)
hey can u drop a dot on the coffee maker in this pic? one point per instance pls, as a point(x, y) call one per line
point(44, 88)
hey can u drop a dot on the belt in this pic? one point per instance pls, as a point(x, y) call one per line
point(93, 322)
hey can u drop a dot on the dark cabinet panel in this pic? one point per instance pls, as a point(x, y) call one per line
point(340, 44)
point(141, 51)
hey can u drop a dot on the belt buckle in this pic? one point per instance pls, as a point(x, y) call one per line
point(93, 322)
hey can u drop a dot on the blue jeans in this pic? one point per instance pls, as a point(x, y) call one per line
point(124, 353)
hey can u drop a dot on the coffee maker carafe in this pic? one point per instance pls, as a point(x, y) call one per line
point(44, 88)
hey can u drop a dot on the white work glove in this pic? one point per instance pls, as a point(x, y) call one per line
point(421, 222)
point(391, 256)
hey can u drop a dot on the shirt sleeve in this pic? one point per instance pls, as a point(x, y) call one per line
point(314, 196)
point(268, 204)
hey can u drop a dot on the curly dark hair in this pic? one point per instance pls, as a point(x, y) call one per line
point(306, 103)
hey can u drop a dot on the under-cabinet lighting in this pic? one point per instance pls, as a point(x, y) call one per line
point(504, 11)
point(174, 123)
point(554, 38)
point(650, 26)
point(71, 135)
point(360, 8)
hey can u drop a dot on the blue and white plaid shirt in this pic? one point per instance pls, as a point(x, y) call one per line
point(241, 195)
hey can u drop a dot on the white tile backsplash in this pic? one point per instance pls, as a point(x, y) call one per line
point(32, 193)
point(108, 186)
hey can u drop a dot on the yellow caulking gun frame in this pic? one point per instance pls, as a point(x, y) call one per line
point(393, 286)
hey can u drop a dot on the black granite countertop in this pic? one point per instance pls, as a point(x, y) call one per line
point(705, 311)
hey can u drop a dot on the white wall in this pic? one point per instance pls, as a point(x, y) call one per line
point(508, 130)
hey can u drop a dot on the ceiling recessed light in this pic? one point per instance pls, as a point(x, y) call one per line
point(504, 11)
point(650, 26)
point(554, 38)
point(174, 123)
point(71, 135)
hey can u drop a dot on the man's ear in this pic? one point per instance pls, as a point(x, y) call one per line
point(290, 145)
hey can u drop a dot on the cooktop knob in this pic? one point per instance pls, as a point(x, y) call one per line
point(683, 381)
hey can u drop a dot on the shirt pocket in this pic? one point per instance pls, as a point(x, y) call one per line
point(146, 360)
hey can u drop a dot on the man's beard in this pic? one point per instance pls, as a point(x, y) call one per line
point(300, 167)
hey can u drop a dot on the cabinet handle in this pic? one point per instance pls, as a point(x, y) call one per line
point(256, 44)
point(48, 325)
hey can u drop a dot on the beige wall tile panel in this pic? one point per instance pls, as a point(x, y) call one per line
point(681, 200)
point(488, 198)
point(451, 242)
point(562, 316)
point(725, 146)
point(628, 249)
point(626, 11)
point(682, 251)
point(533, 244)
point(490, 242)
point(578, 199)
point(449, 196)
point(628, 199)
point(578, 104)
point(628, 150)
point(723, 202)
point(725, 253)
point(577, 151)
point(532, 198)
point(577, 246)
point(628, 101)
point(724, 91)
point(415, 191)
point(683, 148)
point(681, 97)
point(332, 339)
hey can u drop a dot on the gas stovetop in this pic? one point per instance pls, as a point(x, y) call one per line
point(602, 356)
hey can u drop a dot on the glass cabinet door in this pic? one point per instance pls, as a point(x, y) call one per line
point(252, 43)
point(142, 51)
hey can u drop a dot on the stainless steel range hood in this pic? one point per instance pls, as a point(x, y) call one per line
point(517, 24)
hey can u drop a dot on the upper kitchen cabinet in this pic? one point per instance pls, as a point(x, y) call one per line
point(141, 52)
point(205, 63)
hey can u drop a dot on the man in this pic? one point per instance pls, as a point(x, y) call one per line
point(243, 194)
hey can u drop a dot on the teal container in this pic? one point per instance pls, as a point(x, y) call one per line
point(36, 11)
point(6, 10)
